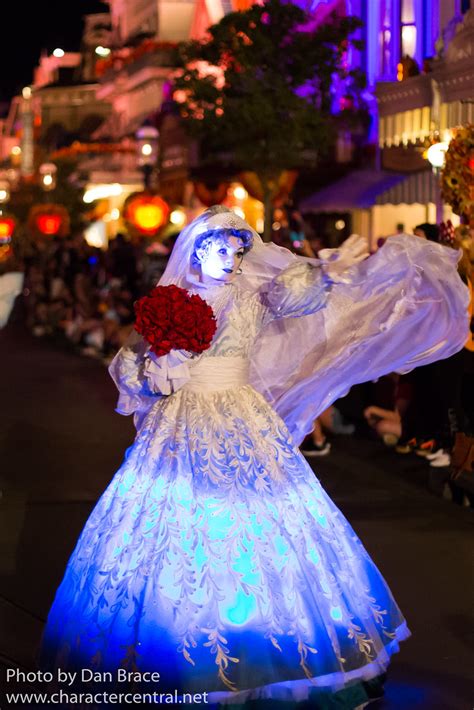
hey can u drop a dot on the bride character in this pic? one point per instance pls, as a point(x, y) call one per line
point(215, 557)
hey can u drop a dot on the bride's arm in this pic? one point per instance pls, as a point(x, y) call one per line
point(304, 286)
point(300, 289)
point(127, 370)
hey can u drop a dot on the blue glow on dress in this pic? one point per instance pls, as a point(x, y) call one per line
point(215, 556)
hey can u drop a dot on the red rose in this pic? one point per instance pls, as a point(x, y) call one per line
point(172, 319)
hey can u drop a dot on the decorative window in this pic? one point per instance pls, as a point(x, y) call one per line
point(385, 37)
point(407, 28)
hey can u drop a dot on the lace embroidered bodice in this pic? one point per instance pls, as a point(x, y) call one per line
point(403, 307)
point(299, 290)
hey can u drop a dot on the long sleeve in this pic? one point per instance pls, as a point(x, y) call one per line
point(299, 290)
point(127, 371)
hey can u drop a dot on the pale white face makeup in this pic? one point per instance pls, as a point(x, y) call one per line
point(220, 259)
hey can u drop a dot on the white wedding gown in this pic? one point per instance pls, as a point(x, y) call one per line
point(215, 556)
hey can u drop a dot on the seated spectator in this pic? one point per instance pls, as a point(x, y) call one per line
point(386, 422)
point(427, 231)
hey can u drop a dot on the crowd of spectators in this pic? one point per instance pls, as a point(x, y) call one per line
point(84, 296)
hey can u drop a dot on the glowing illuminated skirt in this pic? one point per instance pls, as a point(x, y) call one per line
point(215, 558)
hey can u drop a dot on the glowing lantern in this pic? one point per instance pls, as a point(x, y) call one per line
point(146, 212)
point(7, 227)
point(49, 220)
point(48, 223)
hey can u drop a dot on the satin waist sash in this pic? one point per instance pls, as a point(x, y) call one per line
point(211, 374)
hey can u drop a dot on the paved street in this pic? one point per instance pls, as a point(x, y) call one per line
point(61, 443)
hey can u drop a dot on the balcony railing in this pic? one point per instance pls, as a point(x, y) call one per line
point(132, 59)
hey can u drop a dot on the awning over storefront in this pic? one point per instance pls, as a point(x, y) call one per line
point(362, 189)
point(416, 188)
point(357, 190)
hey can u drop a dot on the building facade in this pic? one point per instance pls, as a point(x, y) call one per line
point(417, 56)
point(419, 111)
point(419, 61)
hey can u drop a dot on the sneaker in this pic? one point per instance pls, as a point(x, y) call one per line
point(441, 461)
point(434, 454)
point(310, 448)
point(406, 447)
point(426, 447)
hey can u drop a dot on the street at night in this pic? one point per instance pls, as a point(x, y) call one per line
point(62, 442)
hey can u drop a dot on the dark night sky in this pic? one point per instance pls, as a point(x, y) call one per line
point(32, 25)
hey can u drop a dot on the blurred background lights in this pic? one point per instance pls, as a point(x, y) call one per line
point(115, 213)
point(95, 235)
point(58, 52)
point(101, 192)
point(436, 154)
point(102, 51)
point(178, 218)
point(47, 172)
point(16, 150)
point(340, 224)
point(26, 92)
point(147, 149)
point(240, 193)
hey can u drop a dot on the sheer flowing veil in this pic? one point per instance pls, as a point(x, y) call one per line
point(403, 307)
point(261, 263)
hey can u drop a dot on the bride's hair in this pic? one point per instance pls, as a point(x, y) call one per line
point(221, 234)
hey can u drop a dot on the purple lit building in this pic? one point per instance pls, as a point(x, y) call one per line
point(418, 61)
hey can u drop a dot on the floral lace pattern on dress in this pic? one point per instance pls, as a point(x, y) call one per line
point(213, 530)
point(215, 556)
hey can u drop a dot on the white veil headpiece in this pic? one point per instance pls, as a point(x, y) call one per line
point(260, 264)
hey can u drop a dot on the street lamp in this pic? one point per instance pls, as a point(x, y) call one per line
point(4, 191)
point(436, 156)
point(47, 173)
point(147, 152)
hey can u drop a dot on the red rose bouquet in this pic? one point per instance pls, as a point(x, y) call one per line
point(171, 318)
